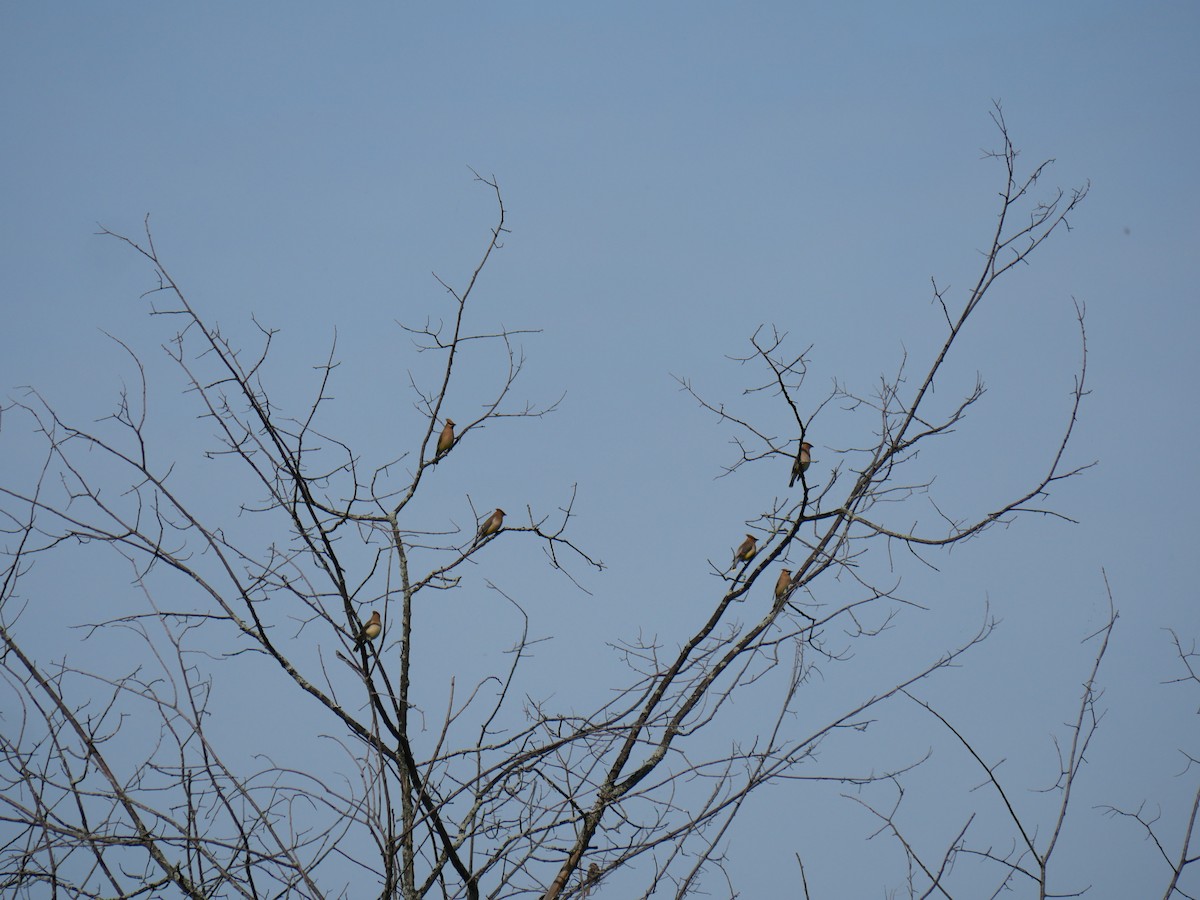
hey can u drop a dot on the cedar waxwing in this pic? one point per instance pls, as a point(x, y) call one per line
point(370, 631)
point(782, 585)
point(445, 440)
point(589, 881)
point(491, 524)
point(803, 461)
point(746, 551)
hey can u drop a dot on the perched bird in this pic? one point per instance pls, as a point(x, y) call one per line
point(745, 552)
point(803, 461)
point(491, 524)
point(369, 631)
point(783, 584)
point(445, 440)
point(590, 880)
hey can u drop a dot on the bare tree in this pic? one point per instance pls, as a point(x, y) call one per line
point(505, 794)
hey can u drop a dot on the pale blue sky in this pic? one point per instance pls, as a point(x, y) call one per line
point(676, 175)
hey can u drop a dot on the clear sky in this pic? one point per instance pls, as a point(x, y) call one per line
point(677, 175)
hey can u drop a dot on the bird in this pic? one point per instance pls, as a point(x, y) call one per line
point(589, 881)
point(745, 552)
point(803, 461)
point(369, 631)
point(445, 439)
point(783, 584)
point(491, 524)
